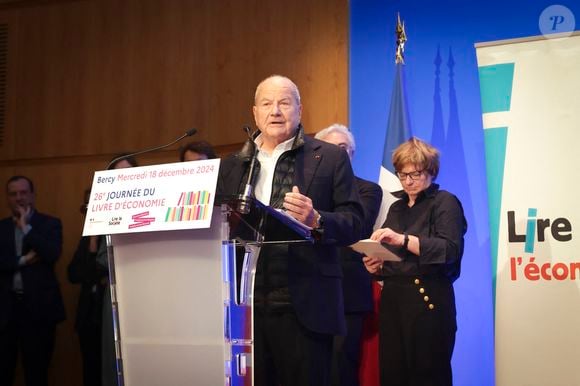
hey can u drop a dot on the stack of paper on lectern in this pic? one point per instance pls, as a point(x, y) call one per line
point(370, 247)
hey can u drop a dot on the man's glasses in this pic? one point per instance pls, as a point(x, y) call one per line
point(413, 175)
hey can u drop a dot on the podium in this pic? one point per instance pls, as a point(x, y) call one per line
point(182, 307)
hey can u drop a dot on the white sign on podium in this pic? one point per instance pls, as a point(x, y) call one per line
point(152, 198)
point(170, 292)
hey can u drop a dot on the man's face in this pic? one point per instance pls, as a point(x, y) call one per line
point(19, 195)
point(277, 112)
point(340, 140)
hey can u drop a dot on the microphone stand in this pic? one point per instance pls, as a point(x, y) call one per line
point(247, 196)
point(188, 133)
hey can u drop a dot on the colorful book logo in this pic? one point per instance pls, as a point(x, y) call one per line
point(191, 206)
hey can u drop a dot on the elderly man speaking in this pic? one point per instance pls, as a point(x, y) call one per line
point(298, 304)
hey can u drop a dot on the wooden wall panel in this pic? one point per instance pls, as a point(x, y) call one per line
point(107, 76)
point(91, 78)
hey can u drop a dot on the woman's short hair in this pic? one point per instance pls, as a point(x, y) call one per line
point(418, 153)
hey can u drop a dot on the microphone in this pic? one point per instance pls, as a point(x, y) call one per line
point(247, 196)
point(188, 133)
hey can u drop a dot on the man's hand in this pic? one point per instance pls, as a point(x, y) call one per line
point(389, 236)
point(21, 217)
point(30, 258)
point(300, 207)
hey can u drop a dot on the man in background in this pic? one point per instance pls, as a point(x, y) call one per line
point(30, 299)
point(356, 282)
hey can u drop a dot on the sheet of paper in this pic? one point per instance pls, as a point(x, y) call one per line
point(370, 247)
point(303, 226)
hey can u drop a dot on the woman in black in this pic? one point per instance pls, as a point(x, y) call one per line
point(85, 270)
point(94, 323)
point(425, 227)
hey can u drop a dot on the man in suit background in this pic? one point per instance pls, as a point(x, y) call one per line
point(298, 292)
point(30, 299)
point(356, 282)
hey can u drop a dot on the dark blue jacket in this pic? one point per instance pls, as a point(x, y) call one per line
point(323, 173)
point(357, 280)
point(42, 296)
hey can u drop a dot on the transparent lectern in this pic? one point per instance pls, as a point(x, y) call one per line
point(182, 301)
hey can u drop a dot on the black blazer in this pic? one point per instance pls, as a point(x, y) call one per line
point(357, 280)
point(42, 297)
point(84, 270)
point(323, 173)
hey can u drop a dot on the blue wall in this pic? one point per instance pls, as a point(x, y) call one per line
point(441, 32)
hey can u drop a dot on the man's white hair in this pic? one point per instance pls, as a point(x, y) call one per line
point(337, 128)
point(278, 77)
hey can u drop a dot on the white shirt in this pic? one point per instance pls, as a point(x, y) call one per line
point(263, 187)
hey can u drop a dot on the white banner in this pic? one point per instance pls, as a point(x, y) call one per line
point(152, 198)
point(530, 91)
